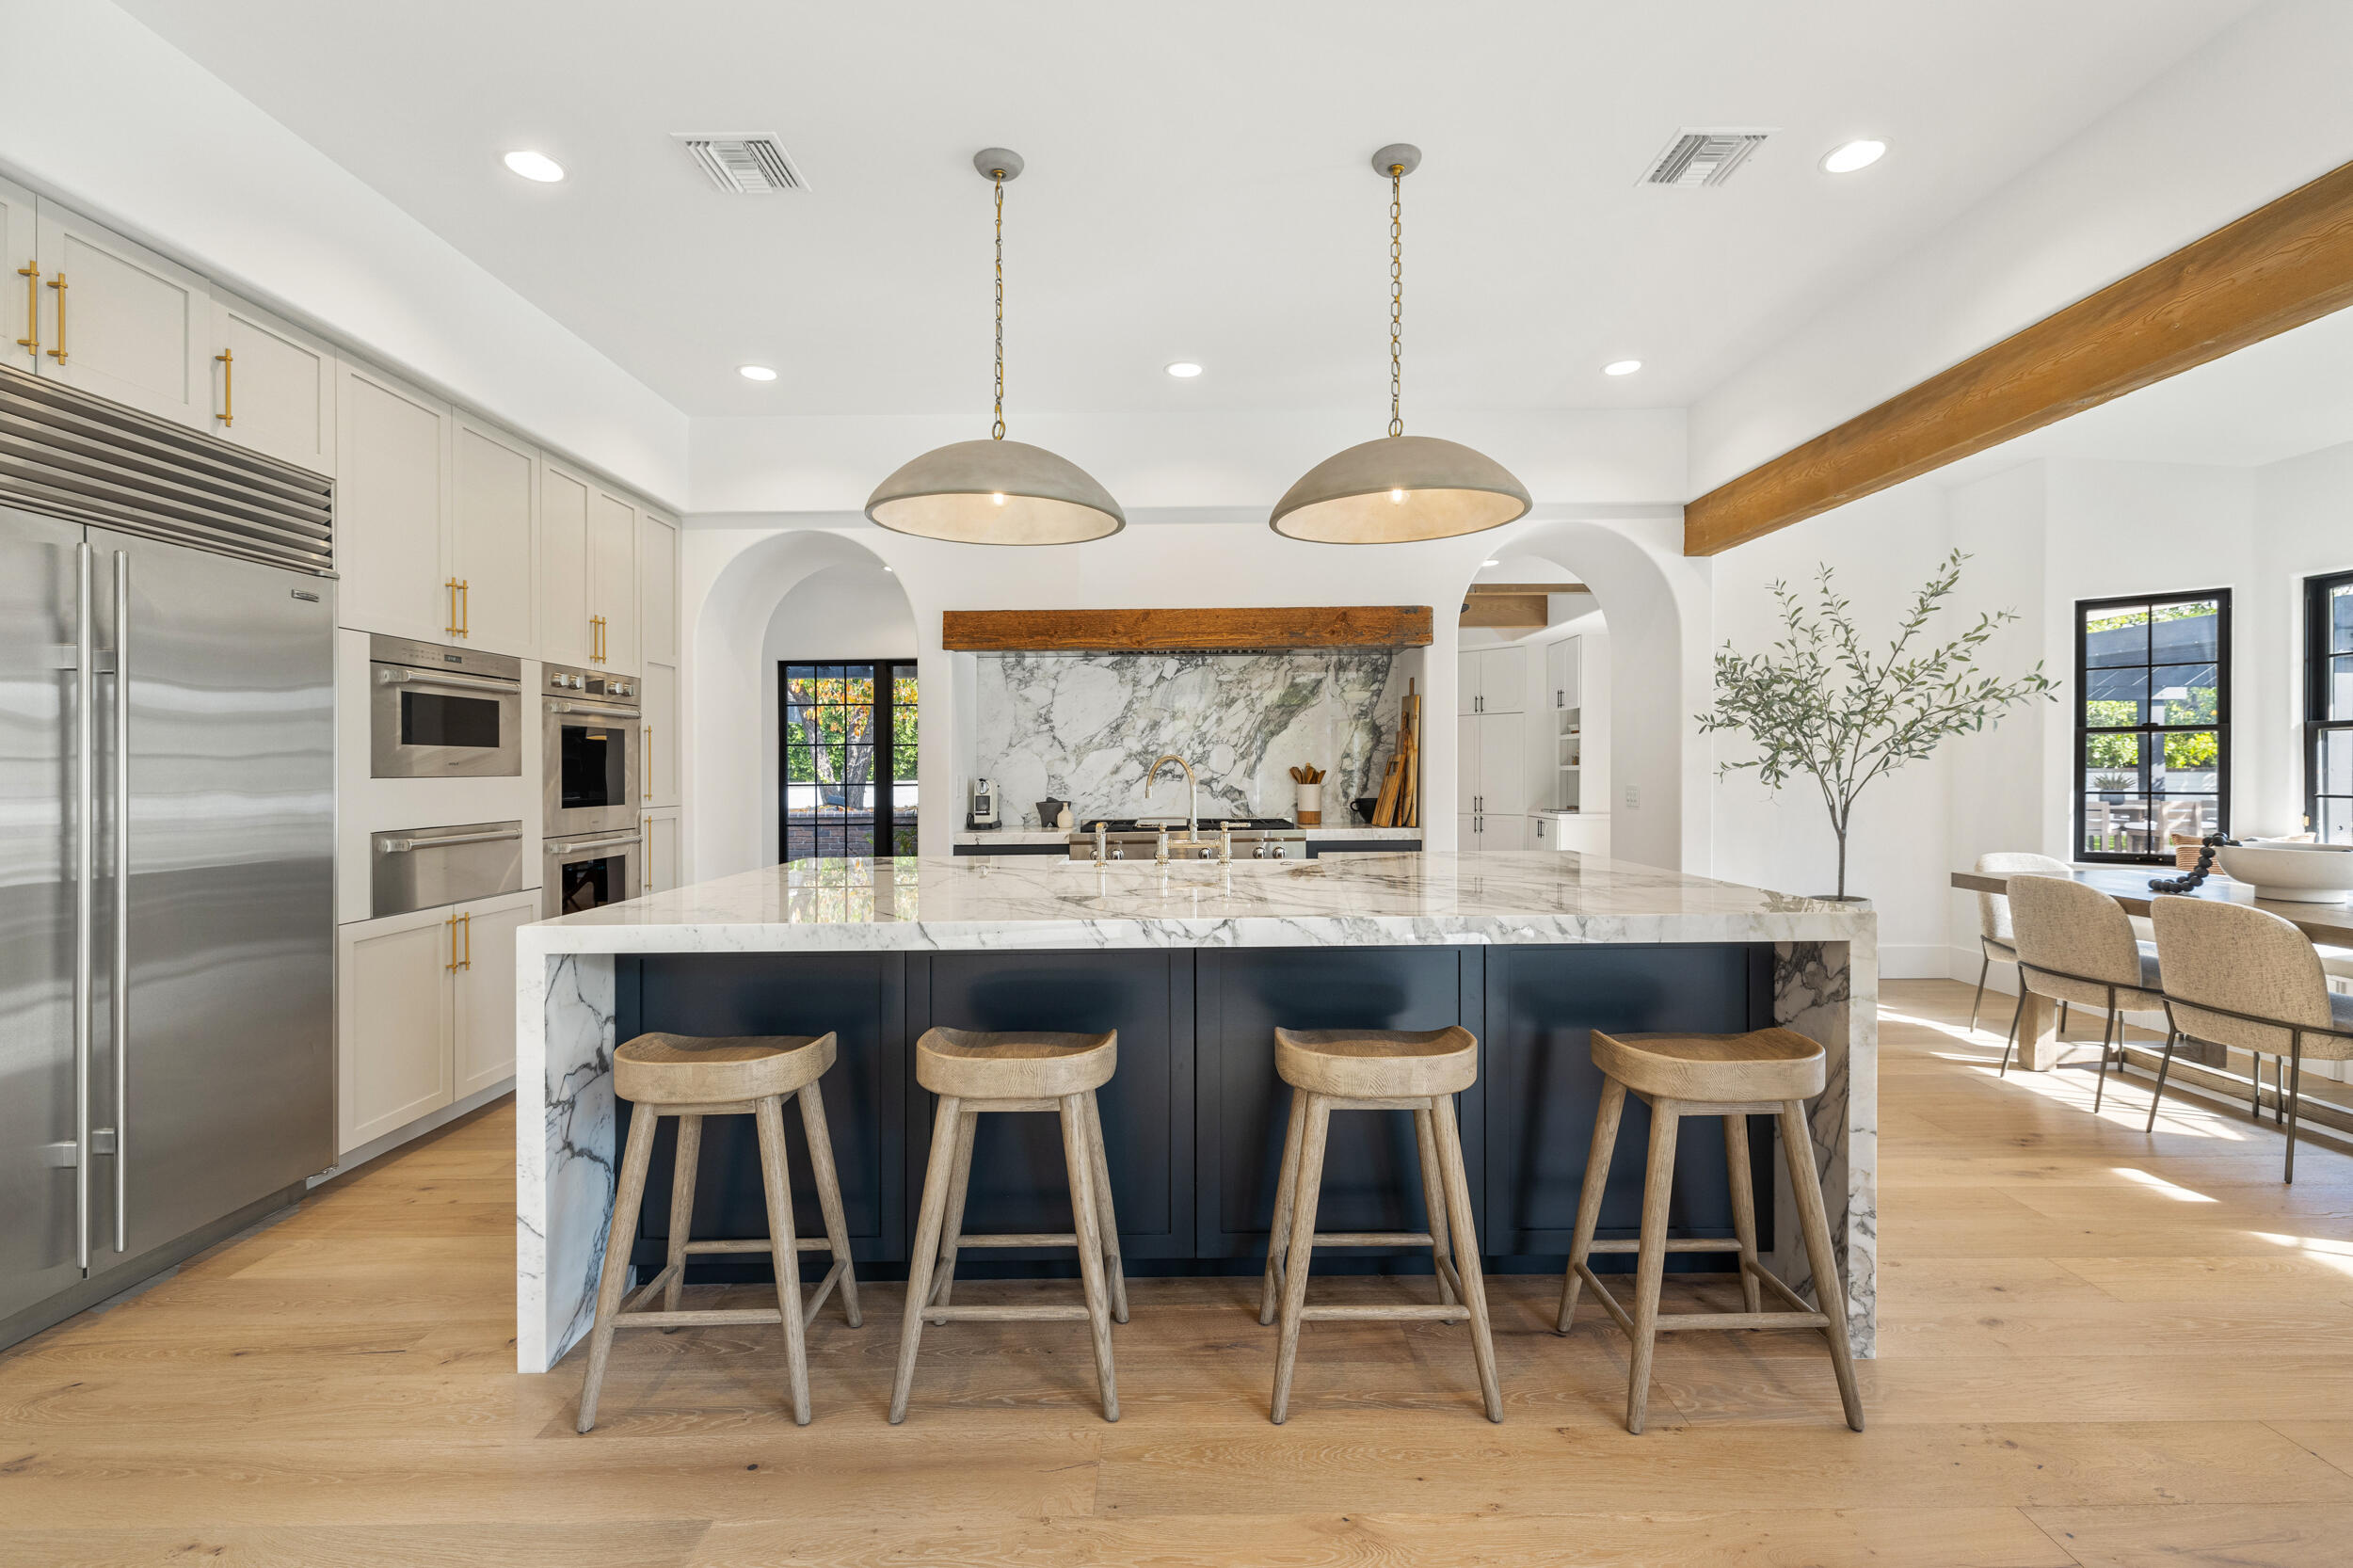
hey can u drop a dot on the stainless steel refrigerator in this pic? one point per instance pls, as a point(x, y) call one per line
point(166, 863)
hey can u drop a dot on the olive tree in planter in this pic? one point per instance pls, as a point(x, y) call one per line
point(1824, 706)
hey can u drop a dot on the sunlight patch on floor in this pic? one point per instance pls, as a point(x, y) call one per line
point(2126, 1104)
point(2336, 1254)
point(2158, 1185)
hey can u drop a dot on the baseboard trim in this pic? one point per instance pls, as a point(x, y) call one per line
point(432, 1122)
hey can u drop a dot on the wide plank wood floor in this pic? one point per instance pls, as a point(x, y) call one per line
point(2096, 1348)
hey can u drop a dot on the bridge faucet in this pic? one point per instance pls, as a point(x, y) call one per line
point(1193, 794)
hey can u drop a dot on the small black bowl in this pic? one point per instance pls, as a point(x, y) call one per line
point(1364, 807)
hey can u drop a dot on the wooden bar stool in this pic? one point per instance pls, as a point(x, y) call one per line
point(975, 1073)
point(676, 1075)
point(1420, 1071)
point(1769, 1072)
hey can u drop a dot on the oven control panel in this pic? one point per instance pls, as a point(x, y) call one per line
point(563, 677)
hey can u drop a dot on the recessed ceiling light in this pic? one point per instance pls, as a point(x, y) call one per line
point(754, 372)
point(1184, 370)
point(1484, 564)
point(1853, 155)
point(535, 166)
point(1622, 367)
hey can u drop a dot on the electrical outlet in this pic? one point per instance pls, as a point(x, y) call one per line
point(1633, 798)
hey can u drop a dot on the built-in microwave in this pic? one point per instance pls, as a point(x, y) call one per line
point(442, 712)
point(592, 752)
point(589, 871)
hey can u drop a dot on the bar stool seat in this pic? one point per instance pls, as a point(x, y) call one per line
point(691, 1077)
point(1367, 1069)
point(973, 1073)
point(1769, 1071)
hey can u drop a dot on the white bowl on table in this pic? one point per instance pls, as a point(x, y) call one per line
point(2291, 873)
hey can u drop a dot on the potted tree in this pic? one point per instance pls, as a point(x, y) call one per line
point(1824, 706)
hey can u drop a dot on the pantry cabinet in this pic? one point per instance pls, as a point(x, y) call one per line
point(657, 587)
point(392, 504)
point(567, 628)
point(427, 1012)
point(1491, 680)
point(659, 688)
point(487, 563)
point(272, 386)
point(110, 317)
point(613, 581)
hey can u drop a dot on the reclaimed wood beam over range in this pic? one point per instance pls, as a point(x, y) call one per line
point(1184, 630)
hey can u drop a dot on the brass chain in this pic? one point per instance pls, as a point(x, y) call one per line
point(996, 431)
point(1397, 296)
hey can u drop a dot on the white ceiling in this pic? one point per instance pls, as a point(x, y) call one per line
point(2270, 401)
point(1197, 184)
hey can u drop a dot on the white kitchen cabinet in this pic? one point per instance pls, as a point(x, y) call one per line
point(117, 320)
point(273, 386)
point(1564, 672)
point(20, 282)
point(482, 990)
point(392, 1046)
point(1489, 830)
point(661, 849)
point(660, 689)
point(612, 579)
point(494, 489)
point(392, 499)
point(1491, 680)
point(1491, 765)
point(657, 587)
point(567, 635)
point(1578, 832)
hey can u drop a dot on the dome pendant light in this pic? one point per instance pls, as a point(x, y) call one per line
point(1400, 488)
point(995, 491)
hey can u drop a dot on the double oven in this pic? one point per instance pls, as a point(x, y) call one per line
point(594, 853)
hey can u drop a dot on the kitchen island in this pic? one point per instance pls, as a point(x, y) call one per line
point(1194, 964)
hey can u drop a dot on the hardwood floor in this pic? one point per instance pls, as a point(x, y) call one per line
point(2097, 1348)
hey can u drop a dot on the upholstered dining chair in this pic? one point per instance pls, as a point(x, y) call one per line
point(2076, 945)
point(1993, 928)
point(2245, 978)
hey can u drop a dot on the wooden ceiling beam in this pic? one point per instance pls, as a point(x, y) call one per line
point(1185, 631)
point(2279, 267)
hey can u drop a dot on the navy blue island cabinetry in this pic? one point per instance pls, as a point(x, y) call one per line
point(1195, 965)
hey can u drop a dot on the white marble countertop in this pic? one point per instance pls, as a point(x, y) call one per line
point(1062, 834)
point(978, 903)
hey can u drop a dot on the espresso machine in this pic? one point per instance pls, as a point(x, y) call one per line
point(982, 810)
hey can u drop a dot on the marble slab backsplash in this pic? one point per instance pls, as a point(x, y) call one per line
point(1083, 727)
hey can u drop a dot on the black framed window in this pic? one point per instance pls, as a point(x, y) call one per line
point(2153, 724)
point(846, 778)
point(2329, 707)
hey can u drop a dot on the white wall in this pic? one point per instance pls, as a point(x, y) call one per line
point(852, 611)
point(2303, 527)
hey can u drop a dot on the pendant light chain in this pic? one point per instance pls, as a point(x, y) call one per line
point(1397, 296)
point(996, 431)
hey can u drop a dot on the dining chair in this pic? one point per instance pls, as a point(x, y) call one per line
point(2076, 945)
point(1993, 928)
point(2244, 978)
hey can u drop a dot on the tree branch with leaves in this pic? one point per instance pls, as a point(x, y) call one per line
point(1822, 705)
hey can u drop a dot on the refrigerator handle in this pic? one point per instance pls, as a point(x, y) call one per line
point(121, 970)
point(86, 806)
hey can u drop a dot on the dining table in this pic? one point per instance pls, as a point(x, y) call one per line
point(2039, 1048)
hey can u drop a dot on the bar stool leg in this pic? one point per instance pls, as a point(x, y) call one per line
point(1433, 1206)
point(683, 1171)
point(1743, 1206)
point(1315, 1115)
point(1286, 1195)
point(1105, 1216)
point(1797, 1143)
point(1650, 1268)
point(829, 1195)
point(938, 1173)
point(629, 1194)
point(783, 1249)
point(1465, 1249)
point(1590, 1195)
point(951, 1220)
point(1078, 1165)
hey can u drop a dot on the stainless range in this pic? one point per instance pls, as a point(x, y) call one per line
point(1167, 839)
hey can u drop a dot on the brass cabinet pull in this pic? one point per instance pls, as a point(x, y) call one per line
point(452, 964)
point(596, 639)
point(228, 415)
point(649, 766)
point(451, 585)
point(465, 608)
point(58, 283)
point(31, 342)
point(465, 923)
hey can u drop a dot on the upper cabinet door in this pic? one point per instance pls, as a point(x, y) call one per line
point(392, 446)
point(613, 579)
point(494, 487)
point(566, 634)
point(660, 721)
point(1503, 681)
point(20, 282)
point(273, 387)
point(120, 321)
point(657, 587)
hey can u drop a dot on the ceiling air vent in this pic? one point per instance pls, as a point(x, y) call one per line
point(741, 163)
point(1697, 158)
